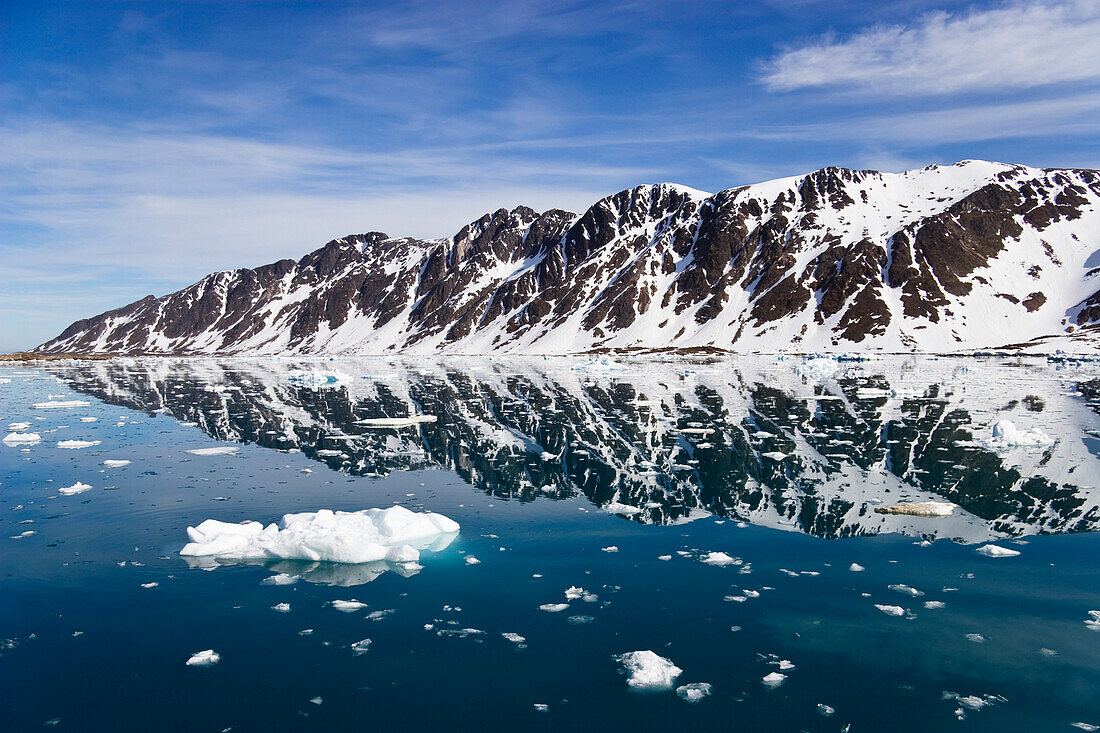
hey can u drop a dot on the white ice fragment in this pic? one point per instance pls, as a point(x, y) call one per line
point(719, 559)
point(997, 551)
point(774, 455)
point(694, 692)
point(573, 592)
point(1085, 726)
point(825, 710)
point(19, 426)
point(58, 404)
point(152, 584)
point(648, 670)
point(773, 679)
point(348, 606)
point(77, 488)
point(221, 450)
point(77, 444)
point(890, 610)
point(280, 579)
point(934, 605)
point(89, 419)
point(920, 509)
point(317, 700)
point(281, 607)
point(395, 534)
point(22, 438)
point(856, 568)
point(553, 607)
point(205, 658)
point(610, 548)
point(471, 560)
point(619, 508)
point(665, 558)
point(541, 707)
point(1006, 436)
point(316, 377)
point(360, 647)
point(513, 637)
point(906, 590)
point(976, 638)
point(1093, 621)
point(115, 463)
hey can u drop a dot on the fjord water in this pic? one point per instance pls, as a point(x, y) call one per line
point(548, 464)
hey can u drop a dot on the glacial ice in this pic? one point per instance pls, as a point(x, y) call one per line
point(694, 692)
point(395, 535)
point(77, 488)
point(648, 671)
point(205, 658)
point(77, 444)
point(22, 438)
point(553, 607)
point(890, 610)
point(1007, 436)
point(720, 559)
point(906, 590)
point(1093, 621)
point(996, 551)
point(774, 679)
point(360, 647)
point(221, 450)
point(58, 404)
point(348, 606)
point(856, 568)
point(113, 463)
point(316, 377)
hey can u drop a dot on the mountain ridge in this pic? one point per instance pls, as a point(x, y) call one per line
point(945, 258)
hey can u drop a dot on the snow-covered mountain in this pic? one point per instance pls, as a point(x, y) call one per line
point(947, 258)
point(813, 446)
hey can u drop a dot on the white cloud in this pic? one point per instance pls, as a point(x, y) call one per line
point(1015, 46)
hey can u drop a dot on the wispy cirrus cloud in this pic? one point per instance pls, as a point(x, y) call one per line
point(1015, 46)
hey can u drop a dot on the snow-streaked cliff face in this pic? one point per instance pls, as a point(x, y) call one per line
point(947, 258)
point(807, 445)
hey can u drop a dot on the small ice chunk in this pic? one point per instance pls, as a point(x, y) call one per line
point(541, 707)
point(934, 605)
point(221, 450)
point(152, 584)
point(580, 619)
point(774, 455)
point(115, 463)
point(360, 647)
point(694, 692)
point(1007, 436)
point(856, 568)
point(665, 558)
point(648, 670)
point(610, 548)
point(281, 607)
point(774, 679)
point(976, 638)
point(720, 559)
point(825, 710)
point(205, 658)
point(890, 610)
point(19, 438)
point(317, 700)
point(513, 637)
point(59, 404)
point(471, 560)
point(1085, 726)
point(1093, 621)
point(77, 444)
point(920, 509)
point(77, 488)
point(619, 508)
point(996, 551)
point(906, 590)
point(553, 607)
point(280, 579)
point(348, 606)
point(572, 593)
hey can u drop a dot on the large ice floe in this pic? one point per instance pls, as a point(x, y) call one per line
point(371, 535)
point(1007, 437)
point(22, 438)
point(648, 671)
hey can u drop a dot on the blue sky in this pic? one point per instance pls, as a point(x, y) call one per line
point(143, 145)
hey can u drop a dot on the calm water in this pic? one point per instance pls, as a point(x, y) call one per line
point(546, 464)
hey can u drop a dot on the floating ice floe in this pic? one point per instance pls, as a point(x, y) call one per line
point(934, 605)
point(22, 438)
point(361, 647)
point(541, 707)
point(774, 455)
point(610, 548)
point(115, 463)
point(205, 658)
point(1006, 437)
point(281, 607)
point(720, 559)
point(856, 568)
point(774, 679)
point(573, 592)
point(471, 560)
point(513, 637)
point(348, 606)
point(619, 508)
point(396, 422)
point(976, 638)
point(996, 551)
point(906, 590)
point(19, 427)
point(280, 579)
point(58, 404)
point(89, 419)
point(694, 692)
point(920, 509)
point(316, 377)
point(826, 711)
point(1085, 726)
point(221, 450)
point(151, 584)
point(972, 702)
point(77, 488)
point(1093, 621)
point(648, 671)
point(553, 607)
point(77, 444)
point(890, 610)
point(395, 535)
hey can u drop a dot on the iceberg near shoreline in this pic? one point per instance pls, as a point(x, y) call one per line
point(395, 535)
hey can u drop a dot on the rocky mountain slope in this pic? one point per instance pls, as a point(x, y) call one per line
point(946, 258)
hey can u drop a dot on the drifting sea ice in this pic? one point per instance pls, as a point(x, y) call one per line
point(395, 534)
point(553, 607)
point(934, 605)
point(1007, 436)
point(281, 607)
point(316, 377)
point(360, 647)
point(996, 551)
point(1093, 621)
point(890, 610)
point(348, 606)
point(22, 438)
point(694, 692)
point(906, 590)
point(648, 671)
point(774, 679)
point(58, 404)
point(719, 559)
point(856, 568)
point(205, 658)
point(221, 450)
point(113, 463)
point(77, 488)
point(77, 444)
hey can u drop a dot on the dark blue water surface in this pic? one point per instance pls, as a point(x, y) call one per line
point(526, 459)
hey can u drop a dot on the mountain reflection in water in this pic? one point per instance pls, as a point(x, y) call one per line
point(810, 445)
